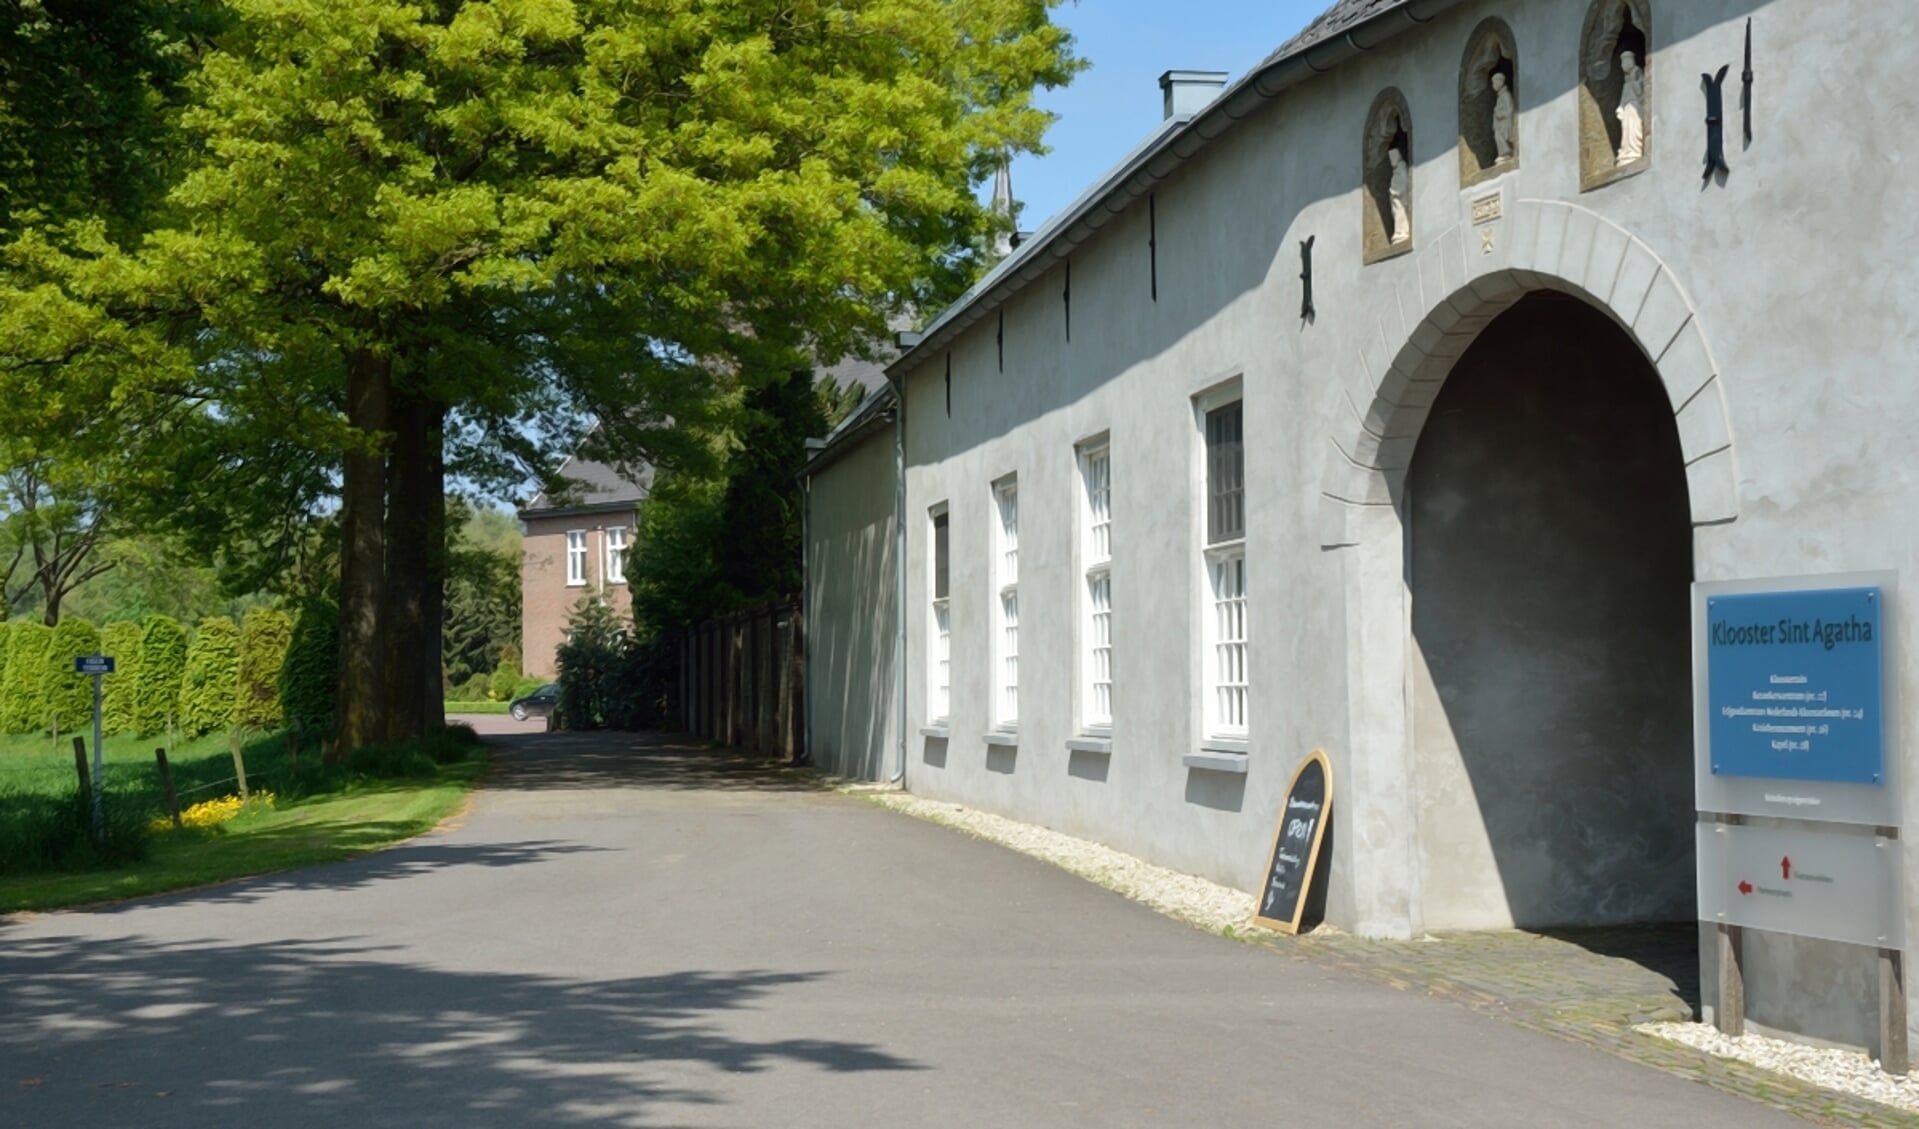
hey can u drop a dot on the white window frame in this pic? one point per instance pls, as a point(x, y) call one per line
point(576, 558)
point(1224, 638)
point(939, 619)
point(615, 563)
point(1005, 650)
point(1095, 458)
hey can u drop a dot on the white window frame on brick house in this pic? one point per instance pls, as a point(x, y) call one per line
point(939, 620)
point(576, 558)
point(1005, 681)
point(1096, 590)
point(1224, 644)
point(616, 550)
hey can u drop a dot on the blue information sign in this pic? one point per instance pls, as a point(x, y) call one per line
point(93, 664)
point(1794, 685)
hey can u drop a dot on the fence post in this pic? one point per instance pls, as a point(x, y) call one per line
point(166, 780)
point(239, 763)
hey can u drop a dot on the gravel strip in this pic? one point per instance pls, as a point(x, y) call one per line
point(1208, 905)
point(1849, 1072)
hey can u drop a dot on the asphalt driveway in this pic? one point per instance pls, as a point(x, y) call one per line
point(626, 932)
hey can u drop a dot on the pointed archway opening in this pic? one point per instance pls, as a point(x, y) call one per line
point(1548, 554)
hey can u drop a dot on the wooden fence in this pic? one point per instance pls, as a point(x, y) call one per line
point(740, 681)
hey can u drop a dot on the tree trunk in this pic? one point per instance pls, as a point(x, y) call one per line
point(409, 555)
point(360, 709)
point(436, 567)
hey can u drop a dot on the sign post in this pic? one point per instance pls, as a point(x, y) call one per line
point(1796, 718)
point(98, 666)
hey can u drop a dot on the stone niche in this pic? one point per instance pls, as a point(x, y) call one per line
point(1388, 202)
point(1486, 111)
point(1606, 154)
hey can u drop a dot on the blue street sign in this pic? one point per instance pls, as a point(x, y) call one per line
point(93, 664)
point(1794, 683)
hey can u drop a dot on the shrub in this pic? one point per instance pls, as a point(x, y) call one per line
point(507, 675)
point(211, 687)
point(473, 689)
point(24, 704)
point(608, 679)
point(163, 662)
point(121, 639)
point(264, 636)
point(307, 676)
point(68, 697)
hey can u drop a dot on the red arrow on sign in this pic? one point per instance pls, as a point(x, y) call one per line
point(1785, 867)
point(1745, 888)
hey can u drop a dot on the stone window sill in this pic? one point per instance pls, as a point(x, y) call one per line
point(1003, 739)
point(1090, 744)
point(1219, 756)
point(933, 731)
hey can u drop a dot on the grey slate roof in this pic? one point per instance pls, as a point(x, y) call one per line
point(1336, 20)
point(595, 484)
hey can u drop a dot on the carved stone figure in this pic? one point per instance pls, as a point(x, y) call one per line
point(1396, 191)
point(1502, 118)
point(1632, 109)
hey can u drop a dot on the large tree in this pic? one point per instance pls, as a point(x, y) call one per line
point(405, 230)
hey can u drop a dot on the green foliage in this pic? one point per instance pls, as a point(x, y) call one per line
point(506, 676)
point(23, 706)
point(473, 689)
point(210, 689)
point(121, 639)
point(482, 590)
point(307, 676)
point(264, 637)
point(68, 697)
point(163, 663)
point(609, 679)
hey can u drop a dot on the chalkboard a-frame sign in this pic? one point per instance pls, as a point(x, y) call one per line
point(1302, 826)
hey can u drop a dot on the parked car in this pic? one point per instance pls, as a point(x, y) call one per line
point(539, 703)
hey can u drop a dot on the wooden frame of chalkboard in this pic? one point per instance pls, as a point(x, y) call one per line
point(1304, 880)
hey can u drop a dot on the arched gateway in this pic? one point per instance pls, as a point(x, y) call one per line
point(1461, 816)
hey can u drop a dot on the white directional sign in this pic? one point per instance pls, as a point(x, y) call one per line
point(1810, 883)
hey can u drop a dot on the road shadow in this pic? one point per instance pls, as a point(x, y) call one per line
point(338, 1031)
point(674, 762)
point(1666, 954)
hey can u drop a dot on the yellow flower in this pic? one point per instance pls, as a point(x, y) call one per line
point(208, 814)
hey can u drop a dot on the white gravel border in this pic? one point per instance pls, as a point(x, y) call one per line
point(1196, 901)
point(1849, 1072)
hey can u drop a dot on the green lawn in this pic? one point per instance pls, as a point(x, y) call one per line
point(453, 708)
point(319, 816)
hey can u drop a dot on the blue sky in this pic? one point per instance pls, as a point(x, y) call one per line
point(1116, 101)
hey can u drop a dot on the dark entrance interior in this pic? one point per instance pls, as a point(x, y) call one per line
point(1549, 553)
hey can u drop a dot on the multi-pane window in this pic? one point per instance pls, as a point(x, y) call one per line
point(941, 667)
point(1006, 573)
point(1096, 552)
point(616, 555)
point(1225, 563)
point(576, 556)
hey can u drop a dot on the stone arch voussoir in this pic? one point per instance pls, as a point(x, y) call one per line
point(1464, 279)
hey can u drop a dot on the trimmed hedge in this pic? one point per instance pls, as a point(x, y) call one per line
point(264, 636)
point(308, 676)
point(23, 705)
point(121, 639)
point(506, 676)
point(210, 691)
point(163, 662)
point(68, 697)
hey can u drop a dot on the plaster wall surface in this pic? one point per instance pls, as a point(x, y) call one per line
point(1778, 306)
point(546, 599)
point(852, 702)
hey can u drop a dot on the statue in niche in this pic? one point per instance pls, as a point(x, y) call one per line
point(1396, 190)
point(1631, 111)
point(1502, 118)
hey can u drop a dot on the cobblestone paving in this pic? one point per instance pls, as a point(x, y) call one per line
point(1589, 986)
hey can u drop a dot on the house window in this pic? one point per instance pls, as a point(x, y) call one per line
point(1223, 558)
point(616, 555)
point(1096, 553)
point(1006, 573)
point(940, 668)
point(576, 556)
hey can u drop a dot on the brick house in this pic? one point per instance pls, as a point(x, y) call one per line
point(574, 545)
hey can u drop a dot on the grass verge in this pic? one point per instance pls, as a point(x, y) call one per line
point(382, 795)
point(476, 707)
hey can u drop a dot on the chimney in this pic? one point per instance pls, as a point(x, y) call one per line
point(1188, 92)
